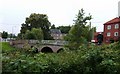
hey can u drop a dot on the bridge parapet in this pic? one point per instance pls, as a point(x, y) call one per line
point(54, 42)
point(34, 42)
point(55, 45)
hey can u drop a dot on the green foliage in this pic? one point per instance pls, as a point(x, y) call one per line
point(4, 34)
point(79, 32)
point(11, 35)
point(37, 21)
point(38, 33)
point(29, 35)
point(53, 26)
point(64, 29)
point(81, 19)
point(6, 46)
point(34, 34)
point(89, 32)
point(116, 45)
point(87, 60)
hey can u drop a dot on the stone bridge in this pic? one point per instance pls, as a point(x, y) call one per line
point(43, 46)
point(50, 48)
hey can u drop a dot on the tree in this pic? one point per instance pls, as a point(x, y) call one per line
point(11, 35)
point(4, 35)
point(81, 19)
point(53, 26)
point(29, 35)
point(36, 34)
point(89, 32)
point(64, 29)
point(37, 21)
point(20, 36)
point(24, 28)
point(77, 34)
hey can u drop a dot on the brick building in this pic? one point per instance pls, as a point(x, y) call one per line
point(111, 30)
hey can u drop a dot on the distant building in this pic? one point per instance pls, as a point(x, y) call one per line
point(95, 40)
point(112, 30)
point(56, 34)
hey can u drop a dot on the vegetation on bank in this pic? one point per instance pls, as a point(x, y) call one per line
point(6, 46)
point(103, 59)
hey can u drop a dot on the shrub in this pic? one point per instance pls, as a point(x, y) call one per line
point(91, 60)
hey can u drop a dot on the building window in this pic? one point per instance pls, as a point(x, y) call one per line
point(116, 34)
point(109, 27)
point(116, 26)
point(108, 34)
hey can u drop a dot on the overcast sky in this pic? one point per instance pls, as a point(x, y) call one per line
point(60, 12)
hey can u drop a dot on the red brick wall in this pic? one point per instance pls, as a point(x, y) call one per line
point(112, 30)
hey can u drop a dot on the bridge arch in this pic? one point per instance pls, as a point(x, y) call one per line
point(50, 48)
point(59, 50)
point(46, 49)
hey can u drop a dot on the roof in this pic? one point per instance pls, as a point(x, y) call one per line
point(115, 20)
point(55, 31)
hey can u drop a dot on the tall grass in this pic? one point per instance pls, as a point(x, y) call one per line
point(6, 46)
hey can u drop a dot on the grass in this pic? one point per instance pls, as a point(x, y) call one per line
point(6, 46)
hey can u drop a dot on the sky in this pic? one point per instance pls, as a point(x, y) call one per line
point(59, 12)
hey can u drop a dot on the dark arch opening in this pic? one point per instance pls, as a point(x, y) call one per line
point(46, 49)
point(60, 50)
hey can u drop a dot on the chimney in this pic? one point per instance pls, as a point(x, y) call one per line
point(119, 9)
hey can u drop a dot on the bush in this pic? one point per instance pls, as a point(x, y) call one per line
point(91, 60)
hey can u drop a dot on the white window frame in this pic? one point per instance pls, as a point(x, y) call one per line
point(116, 33)
point(116, 26)
point(108, 34)
point(109, 27)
